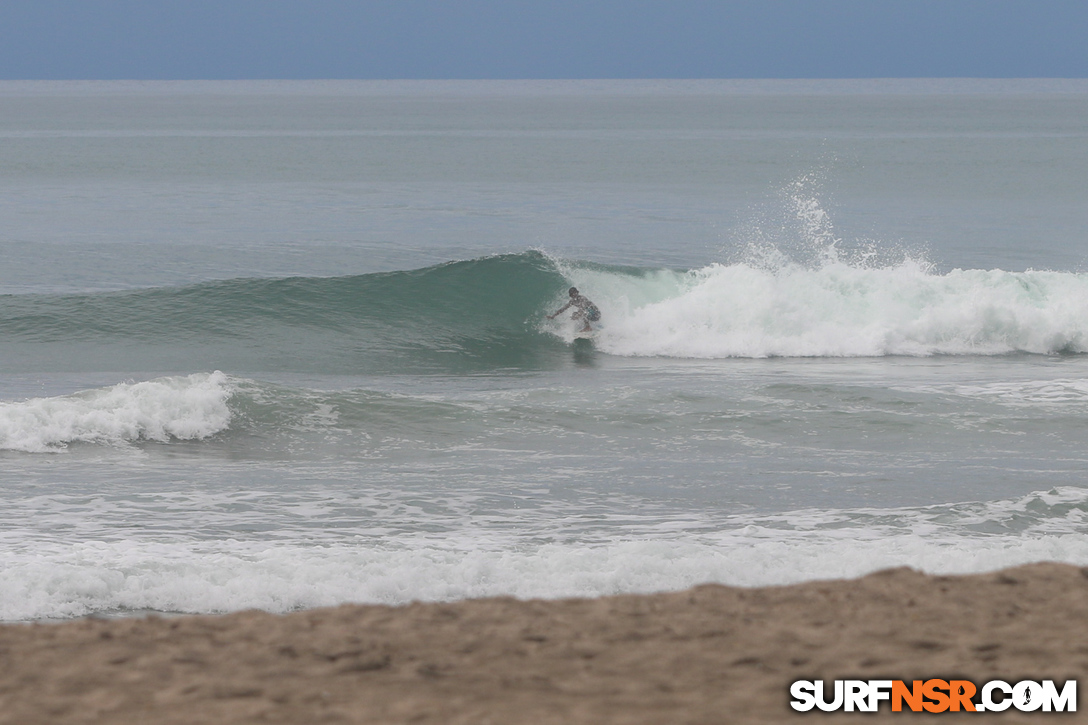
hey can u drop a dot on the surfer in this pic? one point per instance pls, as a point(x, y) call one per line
point(586, 311)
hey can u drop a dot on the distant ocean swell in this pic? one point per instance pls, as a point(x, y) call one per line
point(488, 314)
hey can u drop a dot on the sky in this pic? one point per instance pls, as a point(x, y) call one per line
point(440, 39)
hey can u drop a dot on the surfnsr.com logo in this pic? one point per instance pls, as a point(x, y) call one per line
point(934, 696)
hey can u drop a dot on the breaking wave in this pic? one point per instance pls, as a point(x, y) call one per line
point(179, 408)
point(489, 313)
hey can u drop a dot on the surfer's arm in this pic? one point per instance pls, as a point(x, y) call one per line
point(560, 311)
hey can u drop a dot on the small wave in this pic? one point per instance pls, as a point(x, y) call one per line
point(1058, 393)
point(183, 408)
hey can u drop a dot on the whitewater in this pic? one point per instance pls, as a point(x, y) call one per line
point(840, 310)
point(254, 355)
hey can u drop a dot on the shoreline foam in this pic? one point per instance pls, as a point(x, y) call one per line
point(708, 654)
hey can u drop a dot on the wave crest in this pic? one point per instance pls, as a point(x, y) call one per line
point(192, 407)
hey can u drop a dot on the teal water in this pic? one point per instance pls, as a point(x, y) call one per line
point(283, 345)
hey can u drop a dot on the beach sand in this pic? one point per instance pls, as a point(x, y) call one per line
point(711, 654)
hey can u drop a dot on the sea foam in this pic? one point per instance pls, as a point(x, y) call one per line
point(796, 290)
point(185, 408)
point(41, 579)
point(838, 309)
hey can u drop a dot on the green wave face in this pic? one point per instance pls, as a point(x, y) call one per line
point(466, 316)
point(487, 314)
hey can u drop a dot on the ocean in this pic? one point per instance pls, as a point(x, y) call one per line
point(283, 345)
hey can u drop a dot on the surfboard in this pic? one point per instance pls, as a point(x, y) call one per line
point(583, 348)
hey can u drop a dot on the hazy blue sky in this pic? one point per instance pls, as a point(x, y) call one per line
point(153, 39)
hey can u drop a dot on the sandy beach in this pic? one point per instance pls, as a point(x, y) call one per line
point(711, 654)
